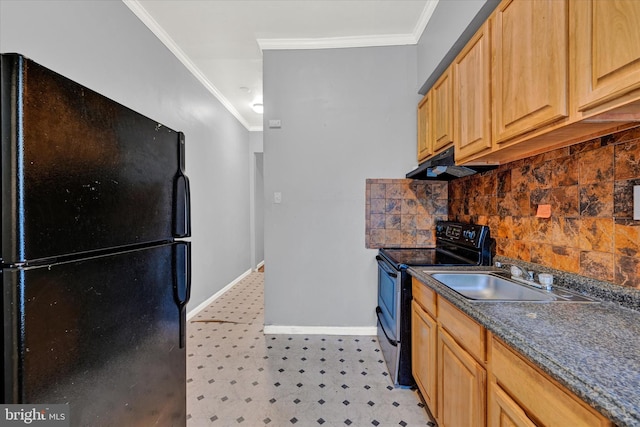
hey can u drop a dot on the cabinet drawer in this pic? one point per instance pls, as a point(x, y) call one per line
point(463, 329)
point(424, 296)
point(548, 402)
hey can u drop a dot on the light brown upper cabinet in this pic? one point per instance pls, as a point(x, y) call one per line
point(442, 112)
point(471, 96)
point(435, 118)
point(530, 69)
point(540, 75)
point(424, 128)
point(607, 51)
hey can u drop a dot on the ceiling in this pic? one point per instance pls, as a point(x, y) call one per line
point(221, 41)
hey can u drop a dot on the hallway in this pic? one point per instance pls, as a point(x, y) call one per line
point(236, 375)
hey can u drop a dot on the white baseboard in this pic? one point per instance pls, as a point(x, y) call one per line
point(289, 330)
point(217, 295)
point(320, 330)
point(260, 264)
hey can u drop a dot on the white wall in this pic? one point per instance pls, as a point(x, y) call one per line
point(347, 115)
point(104, 46)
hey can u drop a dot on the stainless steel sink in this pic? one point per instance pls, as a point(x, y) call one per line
point(488, 286)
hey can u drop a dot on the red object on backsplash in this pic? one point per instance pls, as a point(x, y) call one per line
point(590, 187)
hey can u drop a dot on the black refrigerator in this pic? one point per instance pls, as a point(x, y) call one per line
point(95, 280)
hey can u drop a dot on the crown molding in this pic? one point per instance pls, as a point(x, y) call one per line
point(425, 16)
point(156, 29)
point(354, 41)
point(281, 44)
point(336, 42)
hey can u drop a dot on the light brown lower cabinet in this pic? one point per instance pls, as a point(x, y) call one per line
point(541, 399)
point(461, 385)
point(504, 411)
point(424, 339)
point(470, 378)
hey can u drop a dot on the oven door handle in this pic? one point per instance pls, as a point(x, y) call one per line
point(383, 264)
point(392, 342)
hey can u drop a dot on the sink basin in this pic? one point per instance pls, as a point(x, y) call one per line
point(487, 286)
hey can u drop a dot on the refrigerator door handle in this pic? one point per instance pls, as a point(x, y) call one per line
point(182, 283)
point(181, 196)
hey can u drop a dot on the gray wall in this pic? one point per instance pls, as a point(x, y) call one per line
point(347, 115)
point(257, 197)
point(104, 46)
point(259, 208)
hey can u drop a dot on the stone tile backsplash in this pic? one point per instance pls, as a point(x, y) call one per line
point(401, 213)
point(589, 186)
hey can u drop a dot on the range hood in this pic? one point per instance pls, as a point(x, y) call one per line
point(442, 167)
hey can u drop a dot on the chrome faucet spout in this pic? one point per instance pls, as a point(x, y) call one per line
point(524, 276)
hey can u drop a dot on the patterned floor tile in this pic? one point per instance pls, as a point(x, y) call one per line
point(237, 376)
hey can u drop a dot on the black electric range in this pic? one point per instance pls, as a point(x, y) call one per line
point(457, 244)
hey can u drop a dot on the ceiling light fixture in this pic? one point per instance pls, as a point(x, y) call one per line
point(258, 108)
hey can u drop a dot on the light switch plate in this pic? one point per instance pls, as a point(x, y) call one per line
point(636, 202)
point(275, 124)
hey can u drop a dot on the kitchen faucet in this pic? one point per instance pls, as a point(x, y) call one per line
point(528, 276)
point(517, 272)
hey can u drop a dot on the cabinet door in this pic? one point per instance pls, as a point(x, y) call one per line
point(423, 354)
point(530, 42)
point(607, 49)
point(424, 146)
point(503, 411)
point(547, 401)
point(442, 111)
point(461, 386)
point(472, 108)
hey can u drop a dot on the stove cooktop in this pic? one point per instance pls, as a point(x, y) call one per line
point(423, 257)
point(457, 244)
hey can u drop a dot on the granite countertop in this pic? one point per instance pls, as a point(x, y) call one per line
point(591, 348)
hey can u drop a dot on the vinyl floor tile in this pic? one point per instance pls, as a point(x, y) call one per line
point(238, 376)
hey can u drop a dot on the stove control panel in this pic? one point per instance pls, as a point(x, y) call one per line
point(461, 233)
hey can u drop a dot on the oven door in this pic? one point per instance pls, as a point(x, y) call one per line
point(388, 314)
